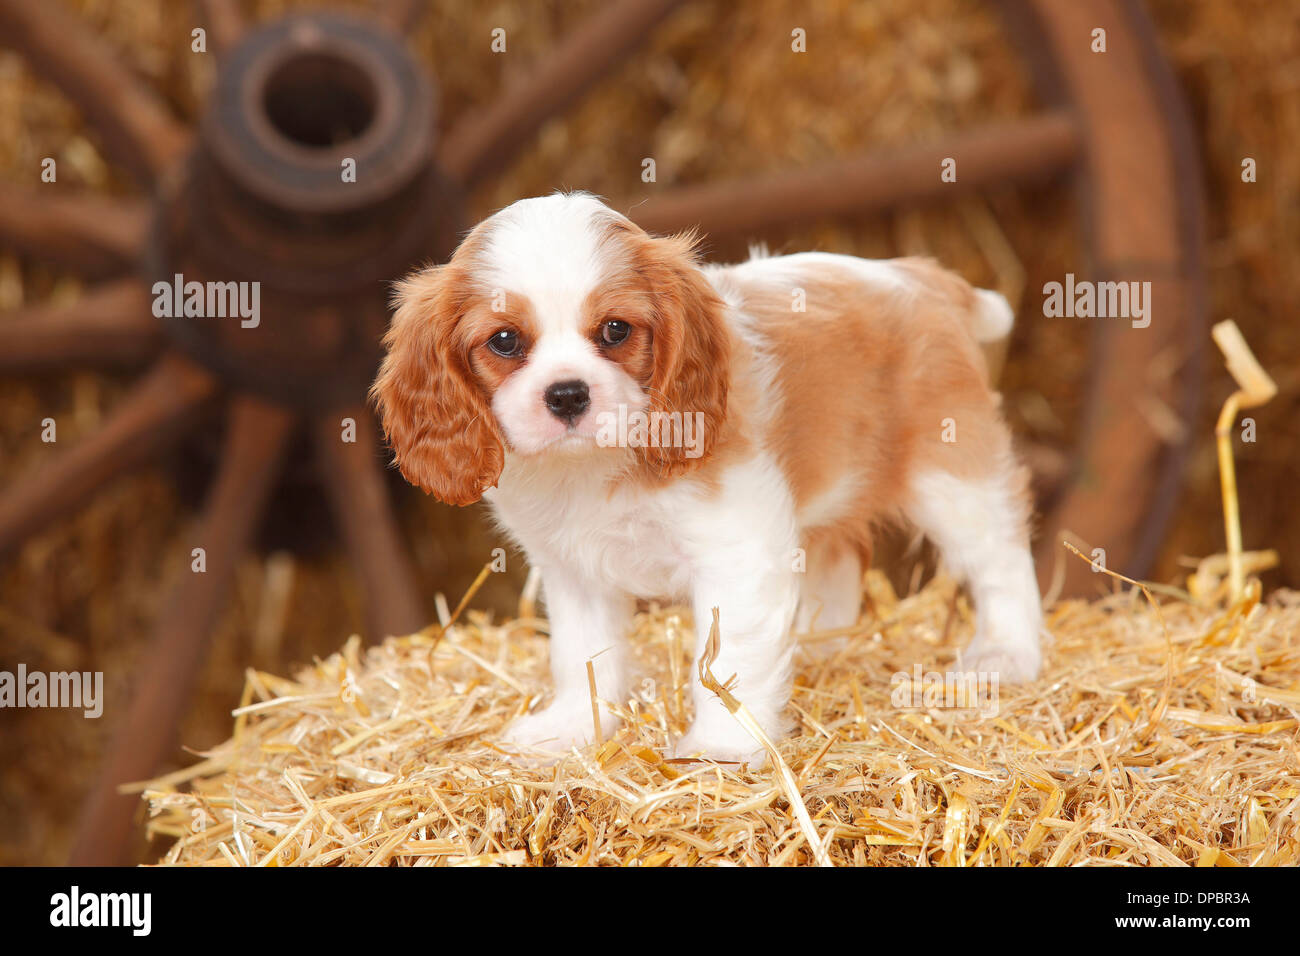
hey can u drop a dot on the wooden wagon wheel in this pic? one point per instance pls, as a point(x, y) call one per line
point(255, 194)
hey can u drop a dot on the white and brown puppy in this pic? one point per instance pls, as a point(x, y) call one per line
point(645, 426)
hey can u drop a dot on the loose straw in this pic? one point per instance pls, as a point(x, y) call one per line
point(783, 775)
point(1255, 388)
point(595, 703)
point(1155, 777)
point(1159, 712)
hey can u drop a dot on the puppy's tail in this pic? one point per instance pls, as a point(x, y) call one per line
point(993, 318)
point(991, 323)
point(986, 314)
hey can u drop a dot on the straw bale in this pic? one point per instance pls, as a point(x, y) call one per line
point(1157, 735)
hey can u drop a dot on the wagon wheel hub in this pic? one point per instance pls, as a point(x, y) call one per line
point(310, 186)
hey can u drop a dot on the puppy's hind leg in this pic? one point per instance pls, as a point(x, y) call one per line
point(979, 524)
point(830, 588)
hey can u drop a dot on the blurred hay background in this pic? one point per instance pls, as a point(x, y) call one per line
point(716, 93)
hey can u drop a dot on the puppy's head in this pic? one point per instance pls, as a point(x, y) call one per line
point(551, 315)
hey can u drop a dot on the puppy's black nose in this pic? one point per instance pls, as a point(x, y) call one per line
point(567, 400)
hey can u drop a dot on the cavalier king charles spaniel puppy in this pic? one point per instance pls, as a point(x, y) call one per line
point(646, 426)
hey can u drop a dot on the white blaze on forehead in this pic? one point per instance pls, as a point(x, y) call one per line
point(552, 250)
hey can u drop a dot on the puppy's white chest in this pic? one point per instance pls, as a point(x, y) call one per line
point(616, 542)
point(639, 554)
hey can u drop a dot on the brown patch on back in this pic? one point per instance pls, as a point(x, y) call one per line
point(866, 378)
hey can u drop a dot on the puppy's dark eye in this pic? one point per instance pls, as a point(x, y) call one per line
point(505, 343)
point(614, 331)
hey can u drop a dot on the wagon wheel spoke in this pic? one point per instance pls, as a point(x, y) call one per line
point(111, 325)
point(154, 414)
point(1143, 183)
point(1018, 151)
point(224, 21)
point(92, 235)
point(135, 125)
point(486, 140)
point(254, 448)
point(353, 475)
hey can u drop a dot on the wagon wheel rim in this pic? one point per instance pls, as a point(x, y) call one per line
point(104, 239)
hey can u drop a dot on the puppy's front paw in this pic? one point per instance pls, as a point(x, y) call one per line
point(552, 732)
point(715, 740)
point(1014, 664)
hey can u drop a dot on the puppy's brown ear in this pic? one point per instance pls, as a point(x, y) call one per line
point(692, 350)
point(435, 415)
